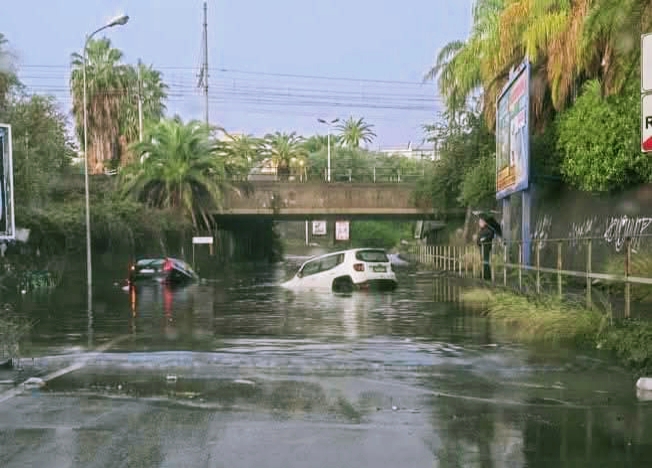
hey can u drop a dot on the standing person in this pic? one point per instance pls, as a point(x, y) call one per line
point(489, 228)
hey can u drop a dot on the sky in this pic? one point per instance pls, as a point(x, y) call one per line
point(274, 65)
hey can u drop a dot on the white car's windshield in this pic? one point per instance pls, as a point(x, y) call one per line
point(371, 256)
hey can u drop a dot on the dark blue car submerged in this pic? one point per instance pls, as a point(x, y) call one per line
point(166, 270)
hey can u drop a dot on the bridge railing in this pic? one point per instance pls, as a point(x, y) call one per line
point(371, 175)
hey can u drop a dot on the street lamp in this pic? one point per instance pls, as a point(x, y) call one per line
point(119, 21)
point(330, 124)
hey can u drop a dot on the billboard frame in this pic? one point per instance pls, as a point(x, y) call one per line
point(8, 231)
point(522, 178)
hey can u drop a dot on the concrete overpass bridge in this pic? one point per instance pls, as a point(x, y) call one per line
point(299, 201)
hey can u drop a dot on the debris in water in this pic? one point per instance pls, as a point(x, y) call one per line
point(34, 382)
point(244, 382)
point(644, 383)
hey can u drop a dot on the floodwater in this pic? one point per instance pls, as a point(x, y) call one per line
point(237, 372)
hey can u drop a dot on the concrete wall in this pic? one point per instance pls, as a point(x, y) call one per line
point(573, 215)
point(301, 201)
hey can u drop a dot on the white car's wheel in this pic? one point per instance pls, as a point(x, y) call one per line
point(343, 284)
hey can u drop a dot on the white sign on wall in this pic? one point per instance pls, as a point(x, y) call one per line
point(319, 228)
point(646, 63)
point(202, 240)
point(646, 123)
point(342, 230)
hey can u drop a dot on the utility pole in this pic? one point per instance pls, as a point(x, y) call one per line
point(140, 103)
point(204, 69)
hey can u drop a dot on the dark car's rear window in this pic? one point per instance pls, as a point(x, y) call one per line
point(149, 263)
point(371, 256)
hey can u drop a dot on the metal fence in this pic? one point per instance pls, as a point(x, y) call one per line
point(620, 272)
point(359, 175)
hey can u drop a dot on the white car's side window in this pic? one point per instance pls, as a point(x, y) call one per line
point(310, 268)
point(328, 263)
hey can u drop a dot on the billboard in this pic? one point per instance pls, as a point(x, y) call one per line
point(7, 222)
point(513, 134)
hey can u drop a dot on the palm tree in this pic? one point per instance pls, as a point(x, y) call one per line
point(8, 78)
point(354, 132)
point(153, 92)
point(316, 143)
point(107, 85)
point(566, 42)
point(240, 153)
point(610, 41)
point(178, 169)
point(463, 68)
point(282, 148)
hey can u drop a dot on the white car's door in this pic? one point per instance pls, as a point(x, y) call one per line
point(309, 274)
point(329, 270)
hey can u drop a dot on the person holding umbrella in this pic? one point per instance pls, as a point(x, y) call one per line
point(489, 228)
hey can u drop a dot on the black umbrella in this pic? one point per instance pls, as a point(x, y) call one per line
point(492, 223)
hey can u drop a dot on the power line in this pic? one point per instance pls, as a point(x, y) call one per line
point(318, 96)
point(259, 85)
point(250, 93)
point(283, 92)
point(372, 113)
point(261, 73)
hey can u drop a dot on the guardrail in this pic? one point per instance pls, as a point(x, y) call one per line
point(555, 264)
point(372, 175)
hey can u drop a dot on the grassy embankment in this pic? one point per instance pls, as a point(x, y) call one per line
point(549, 320)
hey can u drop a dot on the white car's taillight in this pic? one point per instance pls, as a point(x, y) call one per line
point(358, 266)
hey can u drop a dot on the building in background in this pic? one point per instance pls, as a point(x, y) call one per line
point(412, 152)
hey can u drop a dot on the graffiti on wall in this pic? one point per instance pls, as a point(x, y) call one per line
point(614, 230)
point(582, 229)
point(621, 227)
point(542, 231)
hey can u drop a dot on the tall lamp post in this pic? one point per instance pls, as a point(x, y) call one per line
point(119, 21)
point(330, 124)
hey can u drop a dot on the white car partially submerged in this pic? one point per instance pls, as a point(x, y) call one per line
point(346, 271)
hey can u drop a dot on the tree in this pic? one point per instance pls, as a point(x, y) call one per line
point(178, 169)
point(464, 143)
point(42, 149)
point(478, 185)
point(113, 91)
point(240, 153)
point(284, 149)
point(599, 140)
point(315, 143)
point(566, 42)
point(464, 67)
point(354, 132)
point(8, 78)
point(153, 92)
point(108, 82)
point(610, 42)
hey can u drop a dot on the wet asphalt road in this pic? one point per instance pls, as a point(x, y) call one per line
point(239, 373)
point(100, 432)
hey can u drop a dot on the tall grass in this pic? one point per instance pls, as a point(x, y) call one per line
point(641, 265)
point(545, 319)
point(539, 319)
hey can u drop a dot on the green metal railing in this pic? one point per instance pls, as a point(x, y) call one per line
point(563, 261)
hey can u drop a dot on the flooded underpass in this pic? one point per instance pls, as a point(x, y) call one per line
point(237, 372)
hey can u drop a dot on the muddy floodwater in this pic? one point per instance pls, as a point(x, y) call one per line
point(237, 372)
